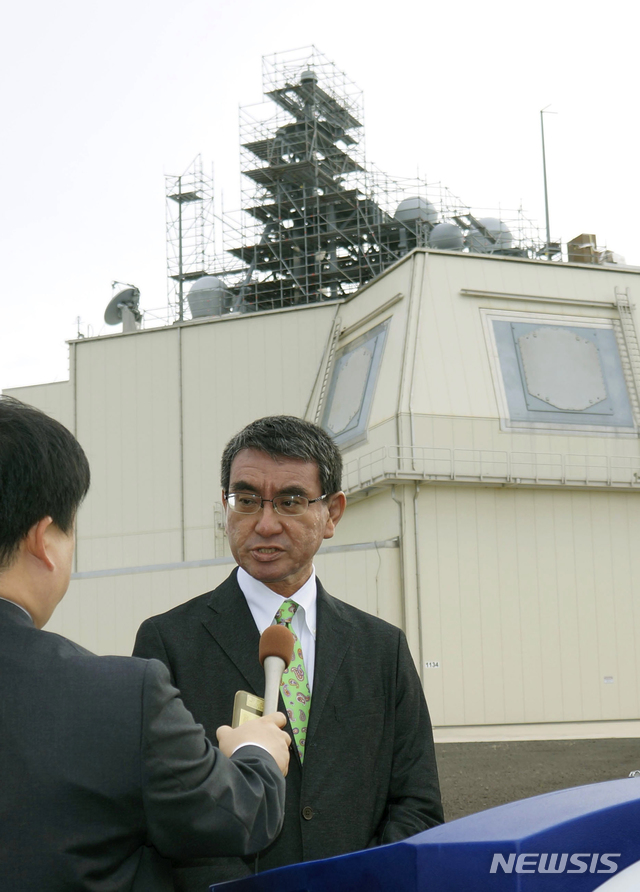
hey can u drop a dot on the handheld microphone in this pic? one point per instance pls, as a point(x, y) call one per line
point(276, 652)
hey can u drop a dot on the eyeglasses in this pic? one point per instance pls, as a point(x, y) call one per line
point(286, 506)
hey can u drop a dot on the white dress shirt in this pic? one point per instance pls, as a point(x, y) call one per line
point(265, 603)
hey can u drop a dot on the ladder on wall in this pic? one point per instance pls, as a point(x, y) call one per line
point(329, 351)
point(631, 357)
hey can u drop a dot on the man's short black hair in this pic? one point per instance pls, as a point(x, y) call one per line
point(289, 437)
point(43, 473)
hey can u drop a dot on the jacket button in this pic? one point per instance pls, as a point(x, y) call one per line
point(307, 812)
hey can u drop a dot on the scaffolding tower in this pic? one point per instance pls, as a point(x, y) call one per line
point(311, 228)
point(190, 215)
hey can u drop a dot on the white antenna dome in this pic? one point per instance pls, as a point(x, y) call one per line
point(416, 208)
point(446, 237)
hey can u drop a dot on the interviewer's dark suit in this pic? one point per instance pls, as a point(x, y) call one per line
point(103, 771)
point(369, 772)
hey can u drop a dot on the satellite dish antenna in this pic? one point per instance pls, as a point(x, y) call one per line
point(124, 308)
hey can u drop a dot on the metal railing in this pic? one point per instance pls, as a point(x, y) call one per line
point(441, 464)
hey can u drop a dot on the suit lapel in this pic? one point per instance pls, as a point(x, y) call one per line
point(334, 636)
point(232, 626)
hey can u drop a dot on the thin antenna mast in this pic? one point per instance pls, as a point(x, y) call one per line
point(544, 173)
point(180, 264)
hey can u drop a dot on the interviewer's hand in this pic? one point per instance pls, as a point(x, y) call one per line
point(264, 731)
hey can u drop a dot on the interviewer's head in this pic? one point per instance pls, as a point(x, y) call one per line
point(44, 476)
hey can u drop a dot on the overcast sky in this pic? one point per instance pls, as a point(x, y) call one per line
point(101, 100)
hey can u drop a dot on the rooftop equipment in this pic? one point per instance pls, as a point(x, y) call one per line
point(316, 221)
point(488, 235)
point(446, 237)
point(208, 297)
point(124, 307)
point(417, 208)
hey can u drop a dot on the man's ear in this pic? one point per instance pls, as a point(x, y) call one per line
point(225, 509)
point(37, 542)
point(336, 505)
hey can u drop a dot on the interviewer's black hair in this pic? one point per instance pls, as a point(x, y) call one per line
point(291, 437)
point(43, 473)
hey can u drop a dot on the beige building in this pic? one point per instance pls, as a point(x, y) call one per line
point(488, 411)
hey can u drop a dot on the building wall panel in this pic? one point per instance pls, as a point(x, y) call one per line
point(366, 579)
point(528, 605)
point(128, 423)
point(371, 519)
point(103, 614)
point(56, 399)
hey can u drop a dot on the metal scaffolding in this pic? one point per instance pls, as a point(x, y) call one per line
point(190, 230)
point(316, 221)
point(311, 229)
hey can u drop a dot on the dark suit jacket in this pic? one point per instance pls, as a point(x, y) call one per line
point(104, 775)
point(369, 773)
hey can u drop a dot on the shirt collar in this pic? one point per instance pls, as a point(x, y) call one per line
point(265, 603)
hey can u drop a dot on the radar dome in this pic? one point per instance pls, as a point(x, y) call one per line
point(478, 242)
point(207, 297)
point(446, 237)
point(416, 208)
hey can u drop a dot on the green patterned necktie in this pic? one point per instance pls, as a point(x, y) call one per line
point(294, 686)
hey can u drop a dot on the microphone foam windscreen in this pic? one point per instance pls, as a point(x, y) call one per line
point(276, 641)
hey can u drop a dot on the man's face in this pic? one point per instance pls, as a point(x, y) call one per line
point(278, 550)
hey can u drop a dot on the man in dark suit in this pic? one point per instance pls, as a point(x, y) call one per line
point(104, 775)
point(363, 768)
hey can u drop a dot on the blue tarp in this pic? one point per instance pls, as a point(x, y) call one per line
point(511, 847)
